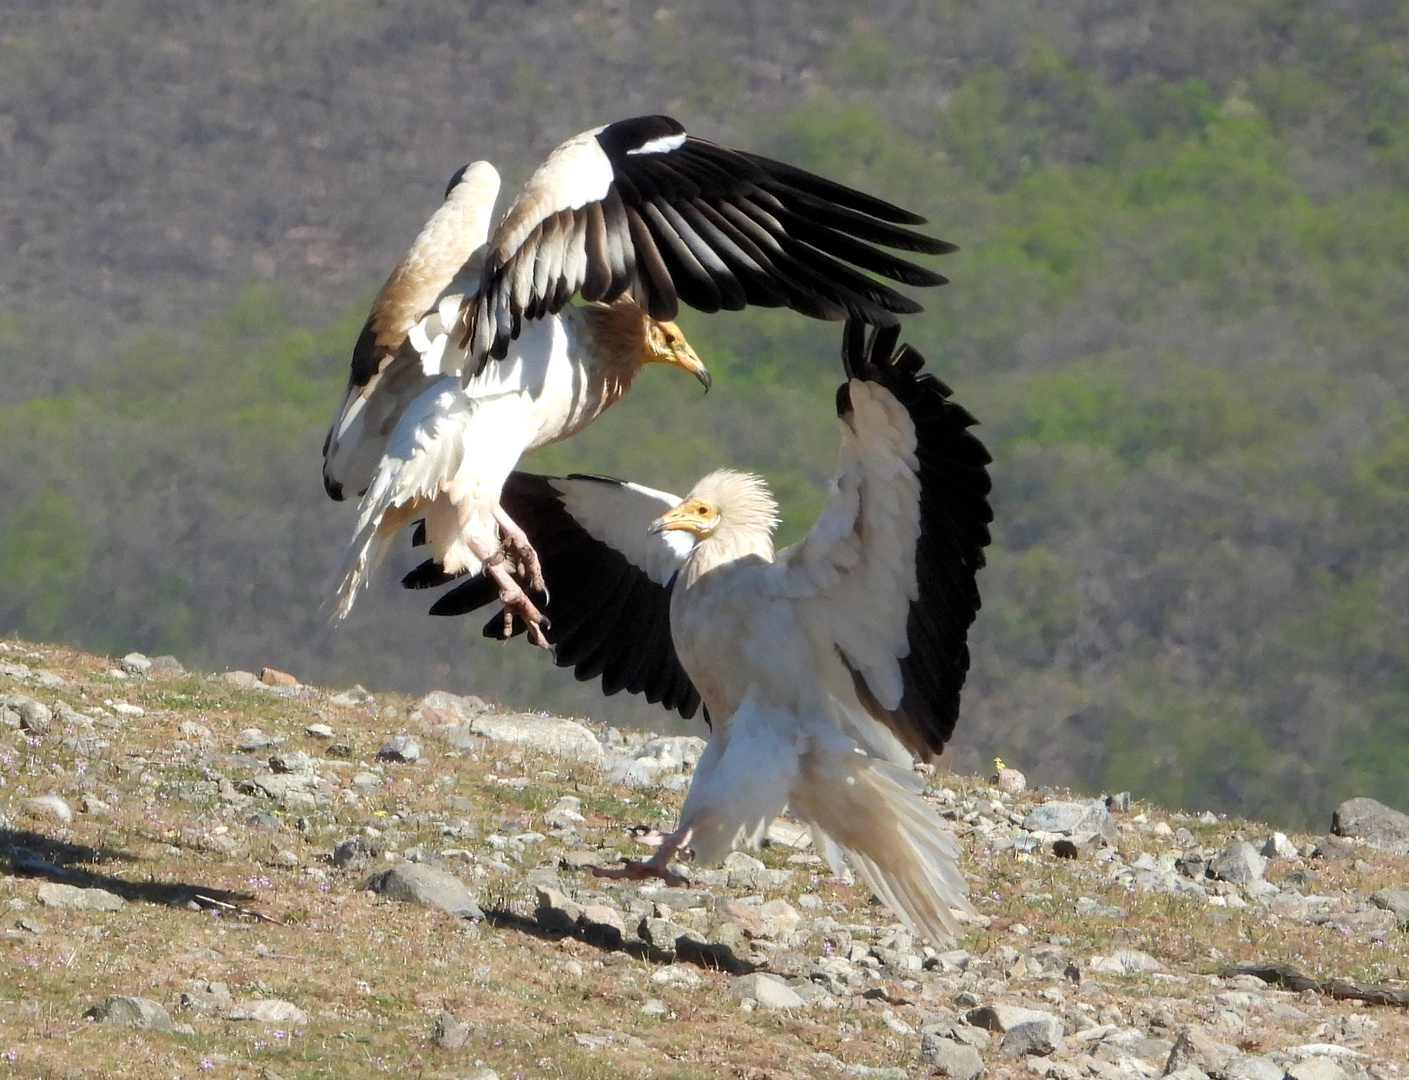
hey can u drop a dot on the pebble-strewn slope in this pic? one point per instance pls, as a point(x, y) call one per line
point(235, 876)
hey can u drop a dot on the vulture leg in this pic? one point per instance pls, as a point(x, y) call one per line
point(516, 601)
point(517, 547)
point(658, 865)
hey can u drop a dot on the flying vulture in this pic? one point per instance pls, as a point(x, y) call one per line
point(472, 354)
point(825, 669)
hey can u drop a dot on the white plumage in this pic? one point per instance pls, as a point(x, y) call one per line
point(634, 217)
point(826, 668)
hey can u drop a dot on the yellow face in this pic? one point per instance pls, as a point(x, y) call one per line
point(695, 516)
point(665, 344)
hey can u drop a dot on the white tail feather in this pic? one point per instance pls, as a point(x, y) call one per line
point(891, 836)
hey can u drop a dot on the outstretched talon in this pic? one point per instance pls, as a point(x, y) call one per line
point(516, 546)
point(641, 869)
point(667, 846)
point(516, 602)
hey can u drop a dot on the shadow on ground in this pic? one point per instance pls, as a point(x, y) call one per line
point(32, 854)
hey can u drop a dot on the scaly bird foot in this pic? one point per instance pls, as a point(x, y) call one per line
point(667, 846)
point(516, 602)
point(516, 546)
point(640, 870)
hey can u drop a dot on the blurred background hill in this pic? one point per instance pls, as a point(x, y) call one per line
point(1181, 312)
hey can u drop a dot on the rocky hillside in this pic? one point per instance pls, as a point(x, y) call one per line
point(234, 875)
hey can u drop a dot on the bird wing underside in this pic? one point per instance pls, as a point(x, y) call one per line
point(890, 564)
point(640, 208)
point(609, 583)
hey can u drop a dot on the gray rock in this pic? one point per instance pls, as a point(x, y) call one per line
point(448, 1033)
point(1278, 846)
point(1237, 863)
point(663, 934)
point(1373, 823)
point(1252, 1067)
point(295, 762)
point(1334, 848)
point(167, 665)
point(1316, 1068)
point(565, 813)
point(556, 912)
point(403, 748)
point(1395, 900)
point(1373, 923)
point(768, 990)
point(52, 894)
point(549, 734)
point(33, 716)
point(1196, 1048)
point(438, 705)
point(49, 806)
point(133, 1012)
point(1025, 1031)
point(418, 883)
point(1082, 821)
point(134, 663)
point(267, 1011)
point(949, 1058)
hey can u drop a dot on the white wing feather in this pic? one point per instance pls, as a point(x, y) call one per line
point(855, 569)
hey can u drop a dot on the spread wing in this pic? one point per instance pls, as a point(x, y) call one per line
point(889, 567)
point(609, 582)
point(641, 208)
point(392, 365)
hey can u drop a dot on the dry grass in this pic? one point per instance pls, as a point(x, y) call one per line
point(371, 975)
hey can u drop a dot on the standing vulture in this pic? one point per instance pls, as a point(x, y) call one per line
point(472, 354)
point(826, 668)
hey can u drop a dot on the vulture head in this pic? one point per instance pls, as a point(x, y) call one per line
point(735, 510)
point(627, 339)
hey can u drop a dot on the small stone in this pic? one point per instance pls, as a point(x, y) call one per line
point(1125, 962)
point(49, 806)
point(1316, 1068)
point(1238, 863)
point(134, 663)
point(552, 735)
point(654, 1007)
point(422, 884)
point(1195, 1048)
point(91, 804)
point(167, 665)
point(1025, 1031)
point(1118, 803)
point(448, 1033)
point(1334, 848)
point(133, 1012)
point(950, 1058)
point(267, 1011)
point(274, 677)
point(1372, 823)
point(403, 748)
point(768, 990)
point(602, 926)
point(52, 894)
point(565, 813)
point(1395, 900)
point(285, 858)
point(556, 912)
point(242, 680)
point(252, 738)
point(295, 763)
point(1277, 846)
point(1252, 1067)
point(681, 976)
point(123, 708)
point(1081, 821)
point(34, 716)
point(1011, 781)
point(319, 731)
